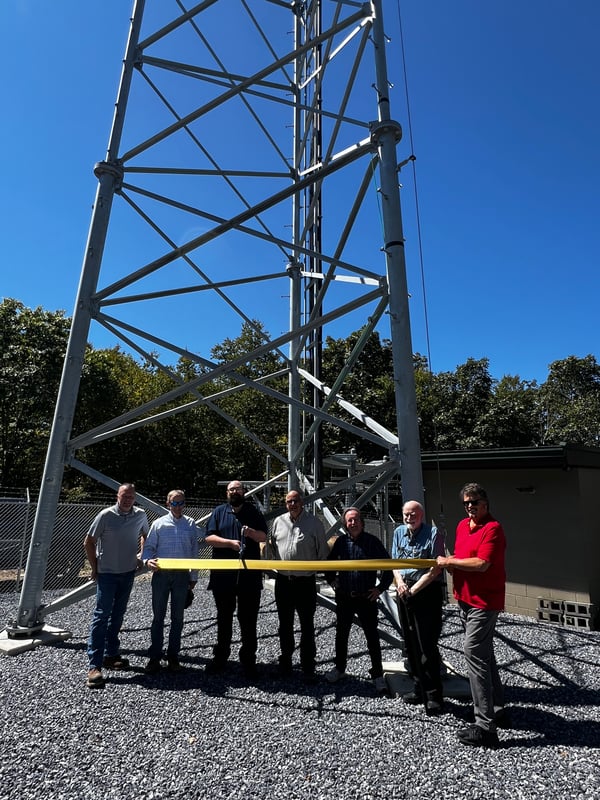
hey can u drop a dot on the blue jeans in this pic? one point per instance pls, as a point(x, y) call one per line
point(112, 596)
point(171, 584)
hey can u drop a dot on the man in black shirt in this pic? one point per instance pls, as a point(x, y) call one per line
point(356, 592)
point(235, 530)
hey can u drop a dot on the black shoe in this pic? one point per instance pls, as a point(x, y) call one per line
point(476, 736)
point(412, 698)
point(310, 676)
point(284, 668)
point(152, 667)
point(434, 707)
point(215, 667)
point(502, 718)
point(173, 664)
point(250, 670)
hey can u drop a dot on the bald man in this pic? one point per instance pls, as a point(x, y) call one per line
point(235, 529)
point(297, 535)
point(420, 595)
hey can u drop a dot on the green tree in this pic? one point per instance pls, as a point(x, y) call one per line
point(512, 418)
point(370, 387)
point(570, 402)
point(32, 347)
point(265, 417)
point(462, 398)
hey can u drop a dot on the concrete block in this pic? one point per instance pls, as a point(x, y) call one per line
point(579, 609)
point(548, 604)
point(554, 617)
point(581, 623)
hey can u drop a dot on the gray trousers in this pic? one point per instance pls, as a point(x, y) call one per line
point(486, 688)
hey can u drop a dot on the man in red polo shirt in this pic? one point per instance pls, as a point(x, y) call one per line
point(477, 568)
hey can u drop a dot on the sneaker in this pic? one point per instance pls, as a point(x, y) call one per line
point(412, 698)
point(95, 678)
point(334, 675)
point(115, 662)
point(476, 736)
point(380, 685)
point(502, 718)
point(152, 667)
point(173, 664)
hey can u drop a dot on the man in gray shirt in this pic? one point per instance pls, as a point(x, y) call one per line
point(297, 535)
point(113, 546)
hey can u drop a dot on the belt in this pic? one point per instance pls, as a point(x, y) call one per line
point(355, 595)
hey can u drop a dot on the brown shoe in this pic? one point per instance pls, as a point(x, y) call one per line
point(95, 678)
point(115, 662)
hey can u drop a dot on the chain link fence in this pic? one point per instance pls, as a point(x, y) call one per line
point(67, 565)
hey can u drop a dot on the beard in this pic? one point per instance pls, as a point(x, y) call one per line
point(236, 501)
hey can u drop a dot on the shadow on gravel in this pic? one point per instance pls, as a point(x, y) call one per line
point(555, 729)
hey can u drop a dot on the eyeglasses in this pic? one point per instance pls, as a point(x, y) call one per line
point(177, 502)
point(235, 489)
point(467, 503)
point(292, 502)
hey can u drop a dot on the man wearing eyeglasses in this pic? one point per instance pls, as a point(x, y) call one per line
point(235, 530)
point(171, 536)
point(420, 596)
point(297, 535)
point(477, 568)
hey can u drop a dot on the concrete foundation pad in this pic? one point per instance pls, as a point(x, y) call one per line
point(47, 635)
point(400, 682)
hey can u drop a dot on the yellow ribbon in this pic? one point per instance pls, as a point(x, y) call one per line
point(297, 566)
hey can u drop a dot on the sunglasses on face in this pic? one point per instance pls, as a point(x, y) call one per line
point(468, 503)
point(177, 502)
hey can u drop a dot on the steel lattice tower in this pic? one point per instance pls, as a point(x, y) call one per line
point(222, 166)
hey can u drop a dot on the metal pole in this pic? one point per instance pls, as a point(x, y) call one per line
point(294, 268)
point(387, 133)
point(109, 174)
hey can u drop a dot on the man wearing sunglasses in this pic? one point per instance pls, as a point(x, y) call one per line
point(171, 536)
point(297, 535)
point(477, 568)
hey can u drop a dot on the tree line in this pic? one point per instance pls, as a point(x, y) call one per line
point(463, 409)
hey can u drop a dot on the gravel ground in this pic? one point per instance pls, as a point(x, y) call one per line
point(194, 736)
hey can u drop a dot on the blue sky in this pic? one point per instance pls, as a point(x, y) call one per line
point(504, 102)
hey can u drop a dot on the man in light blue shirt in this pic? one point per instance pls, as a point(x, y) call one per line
point(171, 536)
point(420, 594)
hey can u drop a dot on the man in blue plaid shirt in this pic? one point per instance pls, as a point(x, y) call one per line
point(171, 536)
